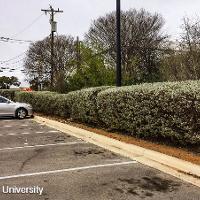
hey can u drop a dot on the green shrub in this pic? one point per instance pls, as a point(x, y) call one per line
point(82, 104)
point(9, 93)
point(161, 110)
point(79, 105)
point(46, 102)
point(169, 111)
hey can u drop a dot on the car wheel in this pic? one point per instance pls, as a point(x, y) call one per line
point(21, 113)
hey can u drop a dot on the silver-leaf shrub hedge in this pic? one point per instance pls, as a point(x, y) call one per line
point(83, 106)
point(79, 105)
point(168, 110)
point(8, 93)
point(46, 102)
point(161, 110)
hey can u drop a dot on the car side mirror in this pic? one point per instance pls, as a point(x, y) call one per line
point(8, 102)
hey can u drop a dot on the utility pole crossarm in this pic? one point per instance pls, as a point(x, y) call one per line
point(55, 11)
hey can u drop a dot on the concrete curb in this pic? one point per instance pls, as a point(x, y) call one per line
point(179, 168)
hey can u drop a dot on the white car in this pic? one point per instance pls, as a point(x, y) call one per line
point(9, 108)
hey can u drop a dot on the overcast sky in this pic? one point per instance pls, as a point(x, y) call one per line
point(16, 15)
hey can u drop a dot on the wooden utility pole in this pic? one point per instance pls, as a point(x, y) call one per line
point(78, 52)
point(52, 12)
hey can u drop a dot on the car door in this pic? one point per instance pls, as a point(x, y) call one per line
point(6, 107)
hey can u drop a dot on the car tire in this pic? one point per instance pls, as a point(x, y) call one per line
point(21, 113)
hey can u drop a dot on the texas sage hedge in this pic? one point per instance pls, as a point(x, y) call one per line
point(83, 106)
point(79, 105)
point(169, 111)
point(10, 94)
point(162, 110)
point(45, 102)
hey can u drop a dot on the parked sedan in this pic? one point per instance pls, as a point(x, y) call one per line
point(9, 108)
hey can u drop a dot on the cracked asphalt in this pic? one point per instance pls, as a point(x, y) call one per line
point(68, 168)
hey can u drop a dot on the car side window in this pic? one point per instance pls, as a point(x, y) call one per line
point(2, 100)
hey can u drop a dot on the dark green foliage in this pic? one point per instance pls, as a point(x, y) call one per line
point(10, 93)
point(46, 102)
point(91, 72)
point(7, 82)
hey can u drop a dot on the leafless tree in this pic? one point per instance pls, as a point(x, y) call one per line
point(38, 60)
point(142, 40)
point(190, 47)
point(183, 63)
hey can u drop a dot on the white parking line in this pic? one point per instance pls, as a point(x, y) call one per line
point(16, 134)
point(68, 170)
point(12, 134)
point(25, 133)
point(53, 132)
point(41, 145)
point(7, 126)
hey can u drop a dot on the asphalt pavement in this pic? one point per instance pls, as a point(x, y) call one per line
point(41, 163)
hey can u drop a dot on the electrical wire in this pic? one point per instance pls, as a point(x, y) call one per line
point(7, 64)
point(11, 69)
point(6, 39)
point(13, 58)
point(12, 40)
point(28, 26)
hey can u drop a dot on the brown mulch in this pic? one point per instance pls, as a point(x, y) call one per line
point(190, 155)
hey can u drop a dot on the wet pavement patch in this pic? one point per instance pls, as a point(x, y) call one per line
point(60, 138)
point(89, 151)
point(146, 186)
point(159, 184)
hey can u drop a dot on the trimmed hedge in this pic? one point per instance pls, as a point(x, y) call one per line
point(83, 106)
point(46, 102)
point(10, 94)
point(161, 110)
point(169, 111)
point(79, 105)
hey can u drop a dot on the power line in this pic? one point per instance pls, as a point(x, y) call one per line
point(12, 40)
point(13, 58)
point(11, 69)
point(6, 64)
point(7, 39)
point(28, 26)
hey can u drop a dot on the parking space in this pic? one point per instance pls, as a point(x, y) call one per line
point(37, 157)
point(15, 133)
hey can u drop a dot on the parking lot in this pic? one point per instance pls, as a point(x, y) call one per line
point(36, 156)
